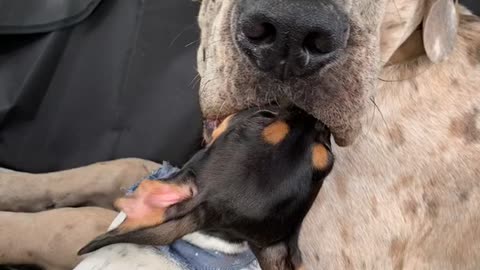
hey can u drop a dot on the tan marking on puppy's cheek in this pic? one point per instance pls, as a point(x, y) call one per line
point(276, 132)
point(320, 157)
point(221, 129)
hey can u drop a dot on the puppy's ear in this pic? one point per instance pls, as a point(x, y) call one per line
point(148, 205)
point(283, 255)
point(164, 234)
point(440, 29)
point(158, 212)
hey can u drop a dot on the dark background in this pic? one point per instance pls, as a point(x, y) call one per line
point(121, 83)
point(474, 5)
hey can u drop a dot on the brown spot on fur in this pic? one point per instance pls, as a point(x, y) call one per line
point(442, 148)
point(221, 128)
point(396, 135)
point(341, 186)
point(455, 83)
point(410, 208)
point(466, 127)
point(397, 253)
point(29, 254)
point(402, 183)
point(432, 206)
point(346, 234)
point(474, 55)
point(69, 227)
point(317, 258)
point(275, 132)
point(319, 157)
point(463, 196)
point(347, 262)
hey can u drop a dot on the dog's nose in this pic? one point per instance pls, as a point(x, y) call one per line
point(291, 38)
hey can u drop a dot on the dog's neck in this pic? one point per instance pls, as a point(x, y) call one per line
point(206, 241)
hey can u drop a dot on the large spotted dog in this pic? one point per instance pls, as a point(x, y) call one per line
point(396, 81)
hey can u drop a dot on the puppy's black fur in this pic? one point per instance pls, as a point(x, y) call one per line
point(247, 189)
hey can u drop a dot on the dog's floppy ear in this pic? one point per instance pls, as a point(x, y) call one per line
point(158, 212)
point(163, 234)
point(148, 205)
point(284, 255)
point(440, 29)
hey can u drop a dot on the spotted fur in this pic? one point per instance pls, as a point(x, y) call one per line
point(405, 192)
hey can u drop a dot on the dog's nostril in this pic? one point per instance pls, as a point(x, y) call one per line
point(259, 32)
point(319, 43)
point(291, 39)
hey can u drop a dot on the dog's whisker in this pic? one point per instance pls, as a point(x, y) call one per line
point(191, 43)
point(416, 64)
point(195, 80)
point(180, 34)
point(372, 99)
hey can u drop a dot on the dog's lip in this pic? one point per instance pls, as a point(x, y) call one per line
point(210, 124)
point(343, 137)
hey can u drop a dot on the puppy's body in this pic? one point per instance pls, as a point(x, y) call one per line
point(137, 257)
point(253, 183)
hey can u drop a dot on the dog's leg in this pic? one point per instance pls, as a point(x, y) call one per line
point(50, 239)
point(96, 185)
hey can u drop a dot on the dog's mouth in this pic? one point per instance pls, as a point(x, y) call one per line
point(210, 124)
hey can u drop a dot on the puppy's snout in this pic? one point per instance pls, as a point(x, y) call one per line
point(290, 38)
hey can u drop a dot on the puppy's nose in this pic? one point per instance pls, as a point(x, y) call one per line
point(291, 38)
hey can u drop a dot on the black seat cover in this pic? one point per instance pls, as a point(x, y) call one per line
point(119, 83)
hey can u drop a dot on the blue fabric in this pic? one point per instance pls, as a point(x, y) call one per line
point(189, 256)
point(164, 172)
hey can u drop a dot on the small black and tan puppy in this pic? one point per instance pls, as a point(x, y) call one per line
point(254, 182)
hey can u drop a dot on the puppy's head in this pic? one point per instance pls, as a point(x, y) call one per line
point(254, 182)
